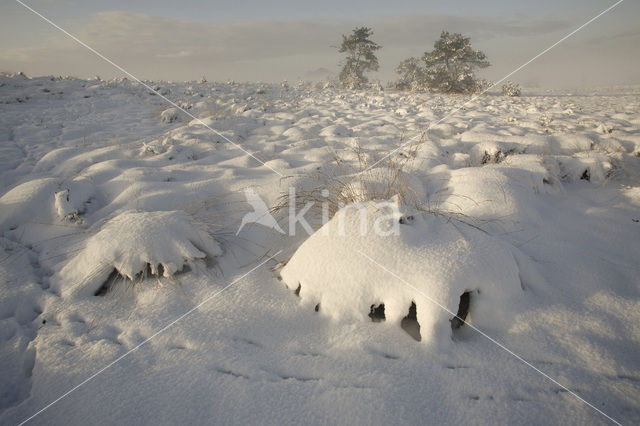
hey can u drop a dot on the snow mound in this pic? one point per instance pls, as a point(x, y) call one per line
point(502, 196)
point(132, 242)
point(346, 270)
point(25, 202)
point(71, 202)
point(169, 115)
point(335, 130)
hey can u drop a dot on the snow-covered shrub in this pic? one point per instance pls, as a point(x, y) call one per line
point(584, 166)
point(329, 83)
point(482, 85)
point(545, 119)
point(66, 210)
point(133, 242)
point(347, 274)
point(154, 147)
point(511, 89)
point(411, 75)
point(169, 115)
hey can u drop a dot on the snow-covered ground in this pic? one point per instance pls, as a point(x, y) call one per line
point(531, 205)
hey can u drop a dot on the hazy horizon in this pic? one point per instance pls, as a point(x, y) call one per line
point(283, 40)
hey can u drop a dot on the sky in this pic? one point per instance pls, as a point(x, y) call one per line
point(275, 40)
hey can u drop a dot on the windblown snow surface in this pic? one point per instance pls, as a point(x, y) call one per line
point(119, 215)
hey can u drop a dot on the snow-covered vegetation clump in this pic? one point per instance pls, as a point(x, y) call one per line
point(169, 115)
point(357, 262)
point(132, 242)
point(511, 89)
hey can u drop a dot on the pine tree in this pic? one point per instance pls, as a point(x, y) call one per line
point(450, 66)
point(360, 58)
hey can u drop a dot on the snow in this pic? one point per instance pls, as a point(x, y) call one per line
point(440, 259)
point(166, 241)
point(530, 203)
point(169, 115)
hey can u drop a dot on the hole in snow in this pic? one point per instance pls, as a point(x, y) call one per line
point(586, 175)
point(146, 272)
point(410, 323)
point(297, 291)
point(107, 284)
point(377, 313)
point(317, 307)
point(463, 311)
point(406, 220)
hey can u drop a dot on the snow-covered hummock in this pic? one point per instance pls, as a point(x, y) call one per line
point(67, 208)
point(169, 115)
point(435, 259)
point(166, 241)
point(63, 204)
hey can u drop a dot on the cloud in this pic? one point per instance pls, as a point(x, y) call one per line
point(142, 34)
point(164, 48)
point(423, 30)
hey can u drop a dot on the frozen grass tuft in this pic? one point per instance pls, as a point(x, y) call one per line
point(357, 177)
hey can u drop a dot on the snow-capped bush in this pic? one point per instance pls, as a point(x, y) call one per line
point(328, 83)
point(430, 261)
point(163, 242)
point(482, 85)
point(169, 115)
point(584, 166)
point(66, 210)
point(411, 75)
point(154, 147)
point(511, 89)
